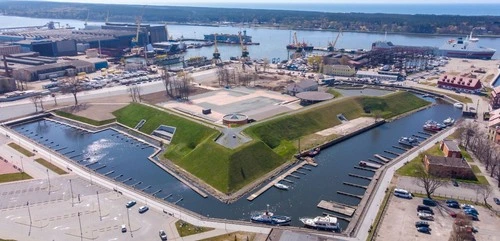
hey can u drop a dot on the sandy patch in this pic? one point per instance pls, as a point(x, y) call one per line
point(96, 112)
point(347, 127)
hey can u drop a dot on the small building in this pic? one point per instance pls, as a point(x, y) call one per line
point(460, 83)
point(495, 98)
point(494, 126)
point(376, 76)
point(47, 71)
point(302, 86)
point(450, 149)
point(235, 118)
point(448, 167)
point(9, 49)
point(339, 70)
point(7, 84)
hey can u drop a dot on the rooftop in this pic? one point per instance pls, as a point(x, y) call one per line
point(451, 145)
point(461, 81)
point(447, 161)
point(314, 96)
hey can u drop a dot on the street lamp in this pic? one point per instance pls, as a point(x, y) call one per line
point(99, 205)
point(71, 187)
point(48, 179)
point(80, 221)
point(22, 167)
point(129, 227)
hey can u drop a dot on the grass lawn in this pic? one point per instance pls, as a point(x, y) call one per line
point(83, 119)
point(475, 169)
point(51, 166)
point(186, 229)
point(10, 177)
point(466, 155)
point(236, 236)
point(334, 92)
point(21, 149)
point(410, 168)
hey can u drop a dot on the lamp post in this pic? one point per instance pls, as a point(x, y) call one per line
point(99, 205)
point(129, 227)
point(48, 179)
point(22, 167)
point(71, 187)
point(80, 221)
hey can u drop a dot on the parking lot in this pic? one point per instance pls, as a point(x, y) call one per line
point(58, 216)
point(398, 222)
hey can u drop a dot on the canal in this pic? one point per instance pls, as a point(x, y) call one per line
point(125, 159)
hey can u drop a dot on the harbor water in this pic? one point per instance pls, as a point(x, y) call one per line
point(125, 159)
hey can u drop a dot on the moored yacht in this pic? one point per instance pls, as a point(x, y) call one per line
point(270, 218)
point(449, 121)
point(281, 186)
point(322, 222)
point(408, 141)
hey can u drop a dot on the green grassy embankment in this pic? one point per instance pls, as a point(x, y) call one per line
point(83, 119)
point(21, 149)
point(51, 166)
point(280, 133)
point(185, 229)
point(334, 92)
point(10, 177)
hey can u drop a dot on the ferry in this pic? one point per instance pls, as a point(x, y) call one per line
point(322, 222)
point(449, 121)
point(270, 218)
point(408, 141)
point(281, 186)
point(466, 48)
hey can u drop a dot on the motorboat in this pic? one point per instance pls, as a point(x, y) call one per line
point(449, 121)
point(313, 152)
point(281, 186)
point(322, 222)
point(458, 105)
point(270, 218)
point(408, 141)
point(432, 126)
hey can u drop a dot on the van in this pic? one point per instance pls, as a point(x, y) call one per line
point(426, 208)
point(429, 202)
point(402, 193)
point(124, 228)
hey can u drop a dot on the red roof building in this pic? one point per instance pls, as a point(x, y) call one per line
point(460, 83)
point(495, 98)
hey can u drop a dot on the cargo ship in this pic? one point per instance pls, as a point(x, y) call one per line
point(304, 46)
point(466, 48)
point(229, 38)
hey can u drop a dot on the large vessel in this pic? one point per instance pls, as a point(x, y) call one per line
point(388, 45)
point(229, 38)
point(303, 46)
point(322, 222)
point(466, 48)
point(269, 218)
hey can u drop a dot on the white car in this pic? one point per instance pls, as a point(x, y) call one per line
point(467, 206)
point(425, 216)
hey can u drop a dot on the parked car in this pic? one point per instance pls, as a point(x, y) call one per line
point(466, 206)
point(426, 208)
point(424, 229)
point(472, 216)
point(143, 209)
point(124, 228)
point(426, 216)
point(452, 201)
point(429, 202)
point(453, 205)
point(421, 224)
point(130, 204)
point(427, 211)
point(496, 200)
point(471, 211)
point(163, 235)
point(455, 183)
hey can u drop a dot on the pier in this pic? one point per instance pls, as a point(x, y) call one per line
point(90, 164)
point(99, 168)
point(289, 181)
point(392, 153)
point(166, 197)
point(359, 176)
point(421, 137)
point(376, 161)
point(108, 173)
point(337, 207)
point(382, 158)
point(425, 133)
point(350, 194)
point(279, 178)
point(126, 180)
point(135, 184)
point(154, 194)
point(365, 169)
point(146, 188)
point(355, 185)
point(369, 164)
point(121, 175)
point(400, 148)
point(178, 201)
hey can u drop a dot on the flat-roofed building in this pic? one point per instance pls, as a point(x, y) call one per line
point(448, 167)
point(450, 149)
point(47, 71)
point(339, 70)
point(376, 76)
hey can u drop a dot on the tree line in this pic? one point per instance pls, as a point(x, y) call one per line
point(362, 22)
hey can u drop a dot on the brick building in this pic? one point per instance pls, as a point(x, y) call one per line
point(461, 83)
point(450, 149)
point(495, 98)
point(448, 167)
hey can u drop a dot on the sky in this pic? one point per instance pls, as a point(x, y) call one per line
point(206, 2)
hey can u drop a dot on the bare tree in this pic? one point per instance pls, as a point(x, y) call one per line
point(72, 85)
point(135, 92)
point(168, 83)
point(469, 130)
point(428, 181)
point(185, 86)
point(34, 100)
point(485, 192)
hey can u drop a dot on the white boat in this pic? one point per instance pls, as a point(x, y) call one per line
point(459, 105)
point(281, 186)
point(449, 121)
point(322, 222)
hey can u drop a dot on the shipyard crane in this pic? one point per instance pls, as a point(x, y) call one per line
point(107, 18)
point(138, 21)
point(244, 52)
point(296, 42)
point(331, 46)
point(216, 56)
point(87, 19)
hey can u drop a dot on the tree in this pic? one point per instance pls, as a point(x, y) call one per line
point(460, 230)
point(468, 133)
point(428, 181)
point(315, 61)
point(35, 99)
point(167, 82)
point(72, 85)
point(485, 192)
point(135, 92)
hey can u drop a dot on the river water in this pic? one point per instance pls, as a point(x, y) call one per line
point(126, 156)
point(272, 41)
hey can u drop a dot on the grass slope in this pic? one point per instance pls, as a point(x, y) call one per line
point(188, 134)
point(21, 149)
point(291, 127)
point(83, 119)
point(51, 166)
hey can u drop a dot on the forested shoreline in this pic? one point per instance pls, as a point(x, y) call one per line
point(300, 20)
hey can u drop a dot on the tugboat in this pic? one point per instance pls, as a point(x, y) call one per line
point(449, 121)
point(322, 222)
point(267, 217)
point(408, 141)
point(281, 186)
point(432, 126)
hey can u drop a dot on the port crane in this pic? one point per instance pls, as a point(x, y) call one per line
point(331, 46)
point(216, 56)
point(244, 52)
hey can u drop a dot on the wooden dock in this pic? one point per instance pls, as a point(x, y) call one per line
point(421, 137)
point(382, 158)
point(279, 178)
point(376, 161)
point(355, 185)
point(365, 169)
point(400, 148)
point(425, 133)
point(337, 207)
point(392, 153)
point(359, 176)
point(350, 194)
